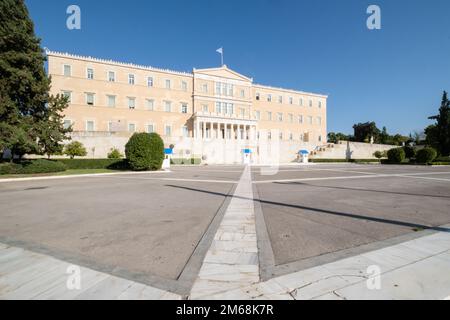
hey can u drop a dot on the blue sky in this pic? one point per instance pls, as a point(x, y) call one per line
point(394, 76)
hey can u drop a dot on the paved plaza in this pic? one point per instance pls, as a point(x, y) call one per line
point(229, 232)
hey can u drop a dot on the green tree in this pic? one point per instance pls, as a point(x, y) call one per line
point(384, 136)
point(51, 131)
point(24, 85)
point(75, 149)
point(438, 135)
point(364, 131)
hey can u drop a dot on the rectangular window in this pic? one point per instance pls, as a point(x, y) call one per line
point(167, 106)
point(90, 99)
point(168, 131)
point(269, 98)
point(269, 135)
point(111, 101)
point(67, 70)
point(319, 121)
point(205, 108)
point(184, 85)
point(280, 99)
point(280, 117)
point(310, 103)
point(111, 76)
point(168, 84)
point(218, 107)
point(90, 126)
point(291, 100)
point(149, 82)
point(205, 88)
point(309, 120)
point(218, 88)
point(300, 119)
point(131, 103)
point(184, 108)
point(150, 104)
point(150, 128)
point(291, 136)
point(230, 108)
point(320, 104)
point(111, 127)
point(281, 136)
point(90, 74)
point(242, 112)
point(68, 95)
point(185, 131)
point(131, 79)
point(67, 124)
point(300, 102)
point(242, 93)
point(258, 96)
point(269, 116)
point(291, 117)
point(230, 90)
point(258, 115)
point(131, 127)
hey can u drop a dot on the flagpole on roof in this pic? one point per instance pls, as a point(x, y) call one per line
point(220, 50)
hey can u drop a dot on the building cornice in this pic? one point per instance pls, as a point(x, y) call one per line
point(115, 63)
point(290, 91)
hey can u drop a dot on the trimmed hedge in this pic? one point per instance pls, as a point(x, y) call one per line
point(410, 152)
point(145, 151)
point(426, 155)
point(181, 161)
point(396, 155)
point(32, 167)
point(113, 164)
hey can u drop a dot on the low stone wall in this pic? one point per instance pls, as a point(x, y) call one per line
point(351, 150)
point(213, 151)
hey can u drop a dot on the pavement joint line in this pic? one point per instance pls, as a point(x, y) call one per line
point(93, 175)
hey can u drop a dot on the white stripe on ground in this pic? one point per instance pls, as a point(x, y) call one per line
point(92, 175)
point(183, 180)
point(347, 177)
point(426, 178)
point(232, 260)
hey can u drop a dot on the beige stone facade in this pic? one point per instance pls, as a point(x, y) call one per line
point(210, 113)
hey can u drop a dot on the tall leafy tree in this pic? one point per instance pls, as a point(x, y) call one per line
point(364, 131)
point(24, 85)
point(438, 135)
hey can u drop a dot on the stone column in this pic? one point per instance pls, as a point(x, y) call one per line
point(203, 130)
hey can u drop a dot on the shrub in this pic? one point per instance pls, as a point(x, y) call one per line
point(378, 154)
point(426, 155)
point(113, 164)
point(75, 149)
point(115, 154)
point(410, 152)
point(145, 151)
point(396, 155)
point(32, 167)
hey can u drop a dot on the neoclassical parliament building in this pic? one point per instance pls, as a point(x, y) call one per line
point(215, 114)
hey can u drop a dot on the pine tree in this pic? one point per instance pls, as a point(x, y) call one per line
point(24, 85)
point(438, 135)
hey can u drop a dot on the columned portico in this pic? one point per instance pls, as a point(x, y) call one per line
point(210, 127)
